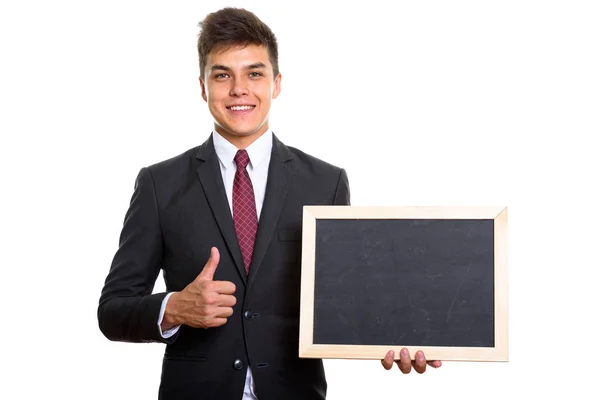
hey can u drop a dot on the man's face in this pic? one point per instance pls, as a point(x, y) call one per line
point(238, 87)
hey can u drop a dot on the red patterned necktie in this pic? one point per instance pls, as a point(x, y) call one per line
point(244, 208)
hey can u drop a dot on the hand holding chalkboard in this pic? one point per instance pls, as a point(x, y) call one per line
point(406, 364)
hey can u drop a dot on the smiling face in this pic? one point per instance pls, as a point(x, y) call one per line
point(238, 87)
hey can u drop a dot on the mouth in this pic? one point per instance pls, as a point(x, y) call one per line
point(241, 108)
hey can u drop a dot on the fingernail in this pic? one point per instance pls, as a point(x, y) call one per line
point(390, 353)
point(404, 353)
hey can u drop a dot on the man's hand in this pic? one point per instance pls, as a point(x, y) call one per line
point(406, 364)
point(204, 303)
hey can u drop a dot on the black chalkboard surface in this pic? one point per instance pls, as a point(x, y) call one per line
point(381, 278)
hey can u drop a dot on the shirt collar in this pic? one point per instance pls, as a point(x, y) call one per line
point(257, 151)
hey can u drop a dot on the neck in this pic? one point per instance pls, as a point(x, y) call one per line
point(241, 141)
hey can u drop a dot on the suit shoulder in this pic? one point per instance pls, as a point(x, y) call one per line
point(175, 165)
point(328, 181)
point(313, 162)
point(173, 161)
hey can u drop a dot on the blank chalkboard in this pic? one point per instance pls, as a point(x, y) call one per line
point(381, 278)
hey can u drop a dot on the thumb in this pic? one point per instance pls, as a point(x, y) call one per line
point(208, 272)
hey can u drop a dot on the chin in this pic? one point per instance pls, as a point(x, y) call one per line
point(239, 131)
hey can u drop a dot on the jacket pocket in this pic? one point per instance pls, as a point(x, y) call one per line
point(290, 235)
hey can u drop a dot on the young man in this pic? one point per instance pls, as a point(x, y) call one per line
point(230, 323)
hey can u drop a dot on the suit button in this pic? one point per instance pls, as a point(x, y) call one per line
point(247, 315)
point(238, 364)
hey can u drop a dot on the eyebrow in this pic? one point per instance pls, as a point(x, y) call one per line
point(219, 67)
point(256, 66)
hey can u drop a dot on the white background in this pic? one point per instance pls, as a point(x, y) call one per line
point(424, 103)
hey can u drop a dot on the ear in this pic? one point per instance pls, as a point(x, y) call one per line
point(203, 89)
point(277, 86)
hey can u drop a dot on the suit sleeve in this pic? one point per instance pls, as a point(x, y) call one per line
point(127, 310)
point(342, 191)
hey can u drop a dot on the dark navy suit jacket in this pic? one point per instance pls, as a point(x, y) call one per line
point(178, 211)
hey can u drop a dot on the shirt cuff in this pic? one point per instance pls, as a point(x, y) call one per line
point(171, 331)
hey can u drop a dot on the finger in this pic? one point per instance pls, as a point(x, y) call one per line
point(223, 287)
point(404, 363)
point(388, 360)
point(420, 363)
point(224, 312)
point(226, 300)
point(435, 363)
point(217, 322)
point(208, 272)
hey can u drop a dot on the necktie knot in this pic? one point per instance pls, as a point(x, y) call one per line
point(241, 159)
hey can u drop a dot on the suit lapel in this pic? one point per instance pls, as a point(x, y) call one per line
point(281, 172)
point(210, 177)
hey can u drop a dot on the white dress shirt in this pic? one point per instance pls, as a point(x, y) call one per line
point(258, 167)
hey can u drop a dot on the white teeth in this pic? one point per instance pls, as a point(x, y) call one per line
point(240, 108)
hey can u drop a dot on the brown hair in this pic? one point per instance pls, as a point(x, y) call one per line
point(234, 27)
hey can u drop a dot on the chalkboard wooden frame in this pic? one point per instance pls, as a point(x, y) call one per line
point(498, 215)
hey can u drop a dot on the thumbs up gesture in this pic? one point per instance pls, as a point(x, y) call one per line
point(204, 303)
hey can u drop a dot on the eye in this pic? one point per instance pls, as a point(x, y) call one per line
point(255, 74)
point(221, 76)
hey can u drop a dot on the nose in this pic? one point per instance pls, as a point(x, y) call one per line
point(238, 87)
